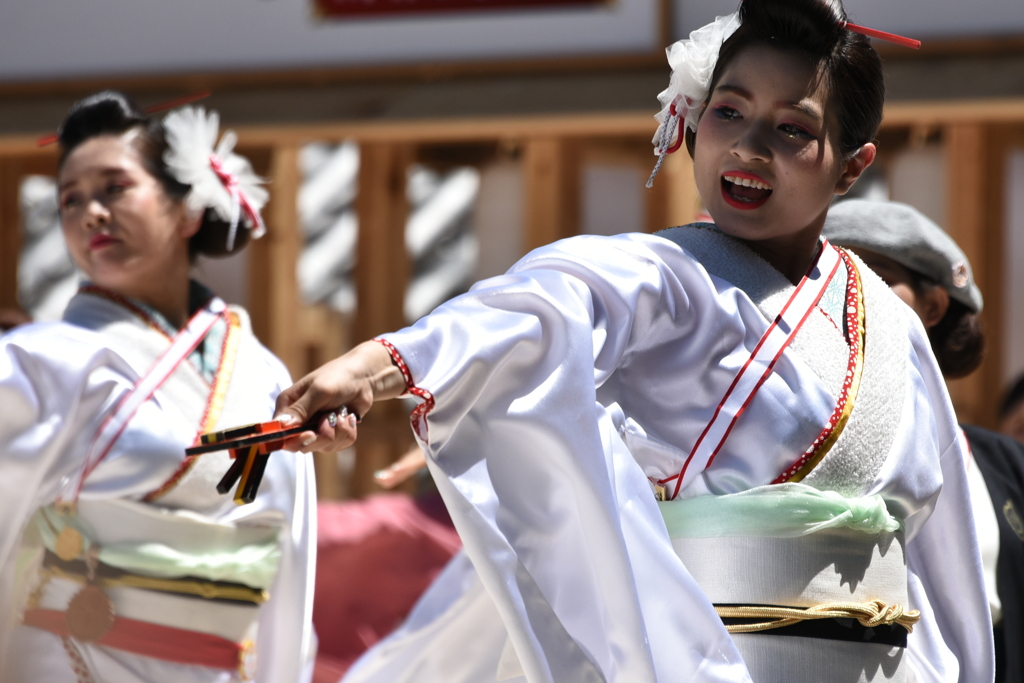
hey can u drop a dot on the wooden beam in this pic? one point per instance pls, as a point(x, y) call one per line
point(551, 191)
point(325, 76)
point(382, 276)
point(975, 222)
point(941, 113)
point(425, 131)
point(602, 125)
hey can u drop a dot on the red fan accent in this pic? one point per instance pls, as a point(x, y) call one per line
point(163, 106)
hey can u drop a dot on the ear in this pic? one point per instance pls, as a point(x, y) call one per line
point(856, 165)
point(933, 304)
point(188, 225)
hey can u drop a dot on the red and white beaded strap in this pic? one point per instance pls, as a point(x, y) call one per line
point(78, 665)
point(117, 420)
point(761, 363)
point(418, 417)
point(854, 327)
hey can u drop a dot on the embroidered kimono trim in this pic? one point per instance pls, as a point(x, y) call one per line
point(128, 304)
point(418, 417)
point(761, 363)
point(851, 382)
point(115, 423)
point(215, 402)
point(205, 359)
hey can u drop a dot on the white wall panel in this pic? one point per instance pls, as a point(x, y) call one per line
point(58, 38)
point(916, 18)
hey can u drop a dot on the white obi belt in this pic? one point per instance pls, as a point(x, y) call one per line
point(808, 583)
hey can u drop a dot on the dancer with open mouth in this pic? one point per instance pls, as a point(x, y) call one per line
point(722, 452)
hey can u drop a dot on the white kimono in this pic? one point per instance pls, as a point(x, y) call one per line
point(551, 398)
point(57, 383)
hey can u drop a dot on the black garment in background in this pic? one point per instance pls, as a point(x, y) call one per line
point(1001, 462)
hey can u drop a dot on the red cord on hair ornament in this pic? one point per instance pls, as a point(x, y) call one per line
point(680, 131)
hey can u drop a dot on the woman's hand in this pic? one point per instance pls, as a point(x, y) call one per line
point(409, 464)
point(345, 389)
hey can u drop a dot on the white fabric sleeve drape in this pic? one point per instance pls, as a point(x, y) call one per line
point(943, 559)
point(57, 382)
point(286, 645)
point(50, 412)
point(554, 511)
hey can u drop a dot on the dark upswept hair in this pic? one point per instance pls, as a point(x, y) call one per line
point(849, 68)
point(114, 113)
point(957, 340)
point(1013, 398)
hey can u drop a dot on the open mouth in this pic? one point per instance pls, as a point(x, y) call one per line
point(744, 190)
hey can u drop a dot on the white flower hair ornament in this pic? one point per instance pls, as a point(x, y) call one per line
point(693, 63)
point(220, 179)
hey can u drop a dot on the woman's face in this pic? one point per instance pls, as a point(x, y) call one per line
point(1013, 423)
point(120, 226)
point(765, 155)
point(900, 280)
point(930, 302)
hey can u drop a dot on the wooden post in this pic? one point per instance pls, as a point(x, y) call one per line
point(673, 199)
point(323, 336)
point(10, 231)
point(13, 169)
point(975, 222)
point(552, 191)
point(273, 285)
point(382, 275)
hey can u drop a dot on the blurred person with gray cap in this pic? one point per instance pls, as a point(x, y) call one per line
point(1011, 411)
point(931, 274)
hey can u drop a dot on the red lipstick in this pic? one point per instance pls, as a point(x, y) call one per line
point(99, 240)
point(745, 197)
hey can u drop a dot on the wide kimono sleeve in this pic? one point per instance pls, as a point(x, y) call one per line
point(286, 644)
point(555, 514)
point(943, 561)
point(55, 383)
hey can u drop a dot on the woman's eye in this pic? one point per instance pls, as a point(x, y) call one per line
point(69, 202)
point(726, 112)
point(116, 188)
point(792, 131)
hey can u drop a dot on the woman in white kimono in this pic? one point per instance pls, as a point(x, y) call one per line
point(119, 559)
point(719, 453)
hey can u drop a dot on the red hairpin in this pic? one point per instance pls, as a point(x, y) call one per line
point(156, 108)
point(882, 35)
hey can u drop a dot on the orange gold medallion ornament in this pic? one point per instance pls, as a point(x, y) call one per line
point(69, 544)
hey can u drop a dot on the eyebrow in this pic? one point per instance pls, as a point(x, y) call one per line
point(109, 171)
point(813, 112)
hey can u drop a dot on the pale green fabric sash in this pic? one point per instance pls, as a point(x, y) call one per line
point(777, 510)
point(252, 564)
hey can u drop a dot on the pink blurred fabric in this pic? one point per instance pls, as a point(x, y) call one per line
point(374, 559)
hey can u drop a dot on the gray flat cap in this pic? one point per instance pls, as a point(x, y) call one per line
point(908, 237)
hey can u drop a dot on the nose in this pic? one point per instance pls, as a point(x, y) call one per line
point(752, 144)
point(96, 214)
